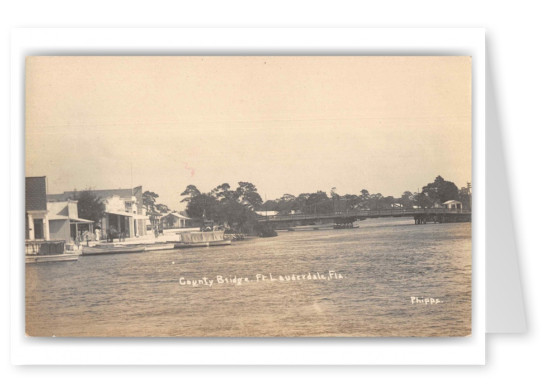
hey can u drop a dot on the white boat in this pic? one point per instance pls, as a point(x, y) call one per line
point(67, 257)
point(202, 239)
point(109, 250)
point(41, 251)
point(159, 246)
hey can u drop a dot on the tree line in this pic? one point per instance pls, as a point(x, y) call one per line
point(237, 207)
point(432, 194)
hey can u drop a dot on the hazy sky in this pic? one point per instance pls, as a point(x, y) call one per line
point(286, 124)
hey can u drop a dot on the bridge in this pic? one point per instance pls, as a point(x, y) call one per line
point(420, 216)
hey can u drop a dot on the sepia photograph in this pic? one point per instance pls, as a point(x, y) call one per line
point(248, 196)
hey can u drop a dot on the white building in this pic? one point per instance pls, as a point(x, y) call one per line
point(124, 210)
point(267, 213)
point(175, 220)
point(453, 204)
point(63, 221)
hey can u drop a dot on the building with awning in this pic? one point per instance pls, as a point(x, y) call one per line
point(128, 224)
point(64, 223)
point(124, 210)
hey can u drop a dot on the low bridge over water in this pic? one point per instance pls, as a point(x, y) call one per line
point(420, 216)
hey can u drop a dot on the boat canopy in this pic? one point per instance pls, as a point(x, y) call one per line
point(201, 237)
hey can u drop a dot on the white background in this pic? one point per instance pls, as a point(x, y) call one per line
point(517, 40)
point(338, 351)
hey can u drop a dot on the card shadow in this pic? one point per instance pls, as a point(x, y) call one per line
point(505, 311)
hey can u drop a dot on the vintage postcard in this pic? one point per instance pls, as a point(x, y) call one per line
point(248, 196)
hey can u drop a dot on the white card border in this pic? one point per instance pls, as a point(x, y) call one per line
point(249, 351)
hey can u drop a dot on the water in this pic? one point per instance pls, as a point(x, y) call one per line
point(383, 264)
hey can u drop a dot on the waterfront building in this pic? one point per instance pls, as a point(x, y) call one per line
point(453, 204)
point(63, 221)
point(175, 220)
point(267, 213)
point(124, 210)
point(36, 210)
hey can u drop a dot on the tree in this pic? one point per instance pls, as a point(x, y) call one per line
point(387, 202)
point(270, 205)
point(284, 205)
point(161, 208)
point(248, 195)
point(223, 192)
point(319, 202)
point(407, 200)
point(190, 192)
point(465, 196)
point(441, 190)
point(375, 201)
point(364, 199)
point(352, 201)
point(335, 198)
point(90, 206)
point(202, 205)
point(421, 200)
point(149, 199)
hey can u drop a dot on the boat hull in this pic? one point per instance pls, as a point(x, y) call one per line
point(204, 244)
point(111, 250)
point(51, 258)
point(159, 247)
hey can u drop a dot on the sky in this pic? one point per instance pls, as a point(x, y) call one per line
point(286, 124)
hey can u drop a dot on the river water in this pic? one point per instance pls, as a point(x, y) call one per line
point(355, 282)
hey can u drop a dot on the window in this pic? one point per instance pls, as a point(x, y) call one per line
point(38, 229)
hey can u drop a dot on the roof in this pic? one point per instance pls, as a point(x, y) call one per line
point(178, 215)
point(451, 202)
point(103, 194)
point(79, 220)
point(58, 217)
point(127, 214)
point(35, 193)
point(115, 212)
point(267, 212)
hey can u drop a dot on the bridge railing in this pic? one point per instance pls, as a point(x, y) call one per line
point(366, 213)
